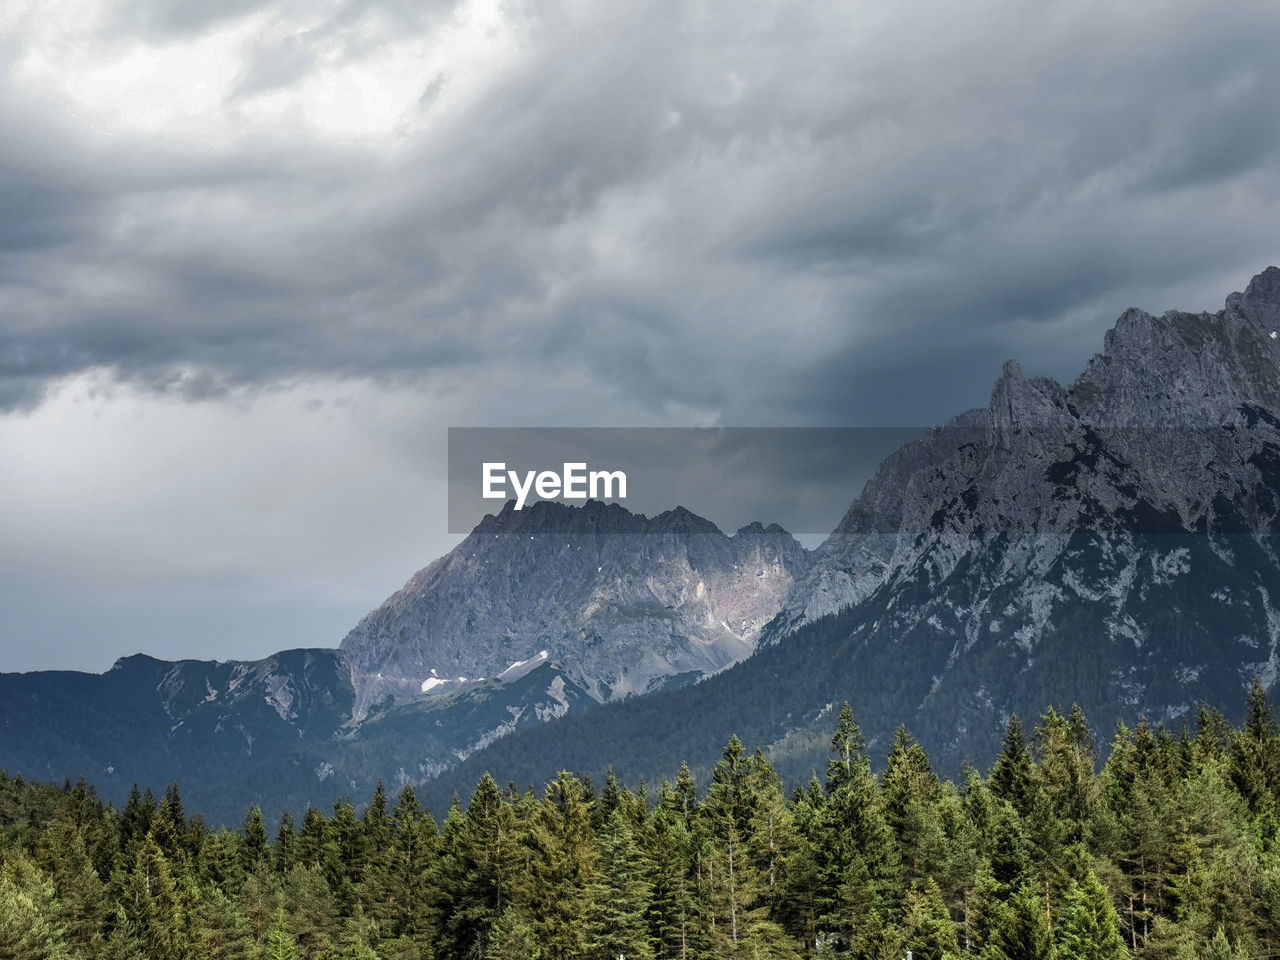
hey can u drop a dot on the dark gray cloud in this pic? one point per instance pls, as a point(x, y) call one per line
point(670, 187)
point(591, 213)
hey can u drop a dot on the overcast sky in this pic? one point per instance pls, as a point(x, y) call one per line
point(257, 257)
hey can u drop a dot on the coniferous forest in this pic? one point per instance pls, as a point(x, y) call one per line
point(1166, 847)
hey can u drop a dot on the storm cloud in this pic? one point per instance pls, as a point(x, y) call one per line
point(565, 214)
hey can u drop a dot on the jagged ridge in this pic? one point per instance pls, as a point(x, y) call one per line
point(621, 601)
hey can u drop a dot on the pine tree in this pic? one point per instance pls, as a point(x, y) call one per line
point(473, 876)
point(376, 824)
point(1065, 775)
point(1020, 928)
point(169, 826)
point(927, 929)
point(748, 828)
point(161, 906)
point(1219, 948)
point(620, 894)
point(135, 818)
point(1259, 716)
point(562, 868)
point(768, 941)
point(81, 894)
point(344, 870)
point(685, 795)
point(1006, 847)
point(1255, 754)
point(280, 943)
point(910, 789)
point(225, 933)
point(512, 938)
point(772, 836)
point(121, 944)
point(732, 884)
point(285, 846)
point(848, 753)
point(1090, 928)
point(254, 848)
point(313, 846)
point(357, 939)
point(857, 853)
point(220, 861)
point(982, 913)
point(677, 919)
point(259, 899)
point(29, 928)
point(803, 903)
point(610, 797)
point(960, 858)
point(312, 911)
point(378, 884)
point(1010, 777)
point(1212, 734)
point(408, 891)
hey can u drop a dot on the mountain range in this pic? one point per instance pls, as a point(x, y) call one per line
point(535, 614)
point(1112, 542)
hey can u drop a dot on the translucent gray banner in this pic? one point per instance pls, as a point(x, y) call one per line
point(800, 478)
point(809, 480)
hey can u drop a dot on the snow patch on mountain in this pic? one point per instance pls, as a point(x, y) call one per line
point(522, 668)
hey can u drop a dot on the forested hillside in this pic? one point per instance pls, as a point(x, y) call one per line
point(1171, 849)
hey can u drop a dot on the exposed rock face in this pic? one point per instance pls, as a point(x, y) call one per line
point(1116, 541)
point(1176, 416)
point(620, 600)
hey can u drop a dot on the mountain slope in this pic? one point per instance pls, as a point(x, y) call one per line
point(622, 601)
point(223, 730)
point(1113, 542)
point(535, 615)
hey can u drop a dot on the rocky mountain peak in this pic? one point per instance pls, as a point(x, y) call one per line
point(1260, 301)
point(1184, 369)
point(674, 597)
point(682, 520)
point(1018, 402)
point(553, 516)
point(1170, 427)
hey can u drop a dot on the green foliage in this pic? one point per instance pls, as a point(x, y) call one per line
point(280, 943)
point(561, 869)
point(620, 893)
point(1170, 852)
point(1090, 928)
point(29, 928)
